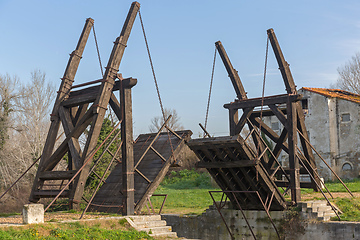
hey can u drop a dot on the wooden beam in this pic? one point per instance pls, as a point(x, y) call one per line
point(232, 164)
point(293, 160)
point(279, 114)
point(127, 152)
point(74, 146)
point(270, 133)
point(241, 123)
point(256, 102)
point(51, 193)
point(81, 110)
point(63, 148)
point(233, 74)
point(308, 153)
point(115, 106)
point(88, 95)
point(283, 65)
point(57, 175)
point(267, 112)
point(280, 183)
point(233, 121)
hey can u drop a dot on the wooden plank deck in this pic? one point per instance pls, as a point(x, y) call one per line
point(234, 176)
point(152, 170)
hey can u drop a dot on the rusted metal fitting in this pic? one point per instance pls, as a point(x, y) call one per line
point(76, 53)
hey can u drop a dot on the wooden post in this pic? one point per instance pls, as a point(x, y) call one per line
point(233, 120)
point(293, 160)
point(127, 150)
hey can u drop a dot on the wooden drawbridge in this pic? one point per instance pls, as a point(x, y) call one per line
point(243, 167)
point(150, 169)
point(234, 167)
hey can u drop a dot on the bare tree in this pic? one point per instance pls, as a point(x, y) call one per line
point(33, 112)
point(8, 96)
point(23, 123)
point(349, 75)
point(174, 122)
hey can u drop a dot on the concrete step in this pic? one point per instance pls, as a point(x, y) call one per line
point(329, 213)
point(324, 209)
point(156, 230)
point(167, 234)
point(319, 209)
point(149, 224)
point(145, 218)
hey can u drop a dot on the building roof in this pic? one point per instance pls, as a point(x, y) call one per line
point(335, 93)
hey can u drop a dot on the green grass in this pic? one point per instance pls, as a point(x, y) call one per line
point(111, 229)
point(8, 214)
point(350, 208)
point(336, 186)
point(183, 201)
point(188, 192)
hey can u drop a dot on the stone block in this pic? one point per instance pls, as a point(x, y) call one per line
point(33, 213)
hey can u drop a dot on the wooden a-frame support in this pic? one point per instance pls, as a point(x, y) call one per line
point(293, 121)
point(73, 112)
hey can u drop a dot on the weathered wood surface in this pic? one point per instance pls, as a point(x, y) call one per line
point(63, 93)
point(72, 111)
point(232, 150)
point(152, 167)
point(256, 102)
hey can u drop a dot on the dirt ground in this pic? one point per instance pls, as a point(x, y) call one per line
point(52, 217)
point(56, 217)
point(318, 195)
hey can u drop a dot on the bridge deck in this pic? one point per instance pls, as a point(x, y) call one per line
point(148, 174)
point(231, 162)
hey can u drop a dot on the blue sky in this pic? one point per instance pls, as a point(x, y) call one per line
point(316, 38)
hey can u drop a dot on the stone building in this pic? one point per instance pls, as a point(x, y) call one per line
point(332, 119)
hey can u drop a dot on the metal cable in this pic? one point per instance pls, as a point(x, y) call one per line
point(152, 67)
point(211, 83)
point(156, 84)
point(98, 52)
point(263, 90)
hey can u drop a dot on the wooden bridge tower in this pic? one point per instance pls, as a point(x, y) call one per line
point(245, 166)
point(78, 110)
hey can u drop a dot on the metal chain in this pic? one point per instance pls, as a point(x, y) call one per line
point(152, 67)
point(263, 90)
point(98, 52)
point(156, 84)
point(211, 83)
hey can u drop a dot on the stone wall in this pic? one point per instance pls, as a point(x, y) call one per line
point(210, 226)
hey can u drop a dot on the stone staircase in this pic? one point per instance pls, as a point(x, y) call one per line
point(318, 209)
point(151, 224)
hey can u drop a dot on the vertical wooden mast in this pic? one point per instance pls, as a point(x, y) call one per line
point(127, 150)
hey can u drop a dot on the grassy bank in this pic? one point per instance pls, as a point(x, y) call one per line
point(96, 229)
point(188, 192)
